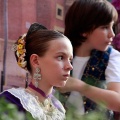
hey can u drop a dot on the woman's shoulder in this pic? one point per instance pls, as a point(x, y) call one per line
point(11, 98)
point(6, 94)
point(58, 104)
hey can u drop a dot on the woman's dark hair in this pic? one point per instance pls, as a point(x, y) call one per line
point(86, 15)
point(37, 41)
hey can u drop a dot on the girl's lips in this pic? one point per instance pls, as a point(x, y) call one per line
point(66, 76)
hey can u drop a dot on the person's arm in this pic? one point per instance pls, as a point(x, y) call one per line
point(110, 97)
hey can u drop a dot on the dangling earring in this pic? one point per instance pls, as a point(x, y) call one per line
point(37, 77)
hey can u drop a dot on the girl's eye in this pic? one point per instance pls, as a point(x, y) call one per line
point(60, 57)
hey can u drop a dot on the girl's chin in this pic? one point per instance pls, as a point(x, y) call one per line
point(62, 84)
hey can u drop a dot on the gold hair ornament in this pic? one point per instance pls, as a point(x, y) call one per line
point(20, 51)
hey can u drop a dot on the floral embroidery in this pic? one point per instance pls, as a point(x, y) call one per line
point(31, 105)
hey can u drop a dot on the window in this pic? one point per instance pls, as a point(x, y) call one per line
point(59, 12)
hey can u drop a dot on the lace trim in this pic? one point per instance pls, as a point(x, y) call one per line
point(31, 105)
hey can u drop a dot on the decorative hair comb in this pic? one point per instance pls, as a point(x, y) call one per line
point(20, 51)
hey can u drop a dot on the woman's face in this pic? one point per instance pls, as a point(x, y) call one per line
point(55, 65)
point(101, 37)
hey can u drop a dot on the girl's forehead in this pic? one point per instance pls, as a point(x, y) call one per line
point(62, 44)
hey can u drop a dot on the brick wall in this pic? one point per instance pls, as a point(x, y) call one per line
point(21, 13)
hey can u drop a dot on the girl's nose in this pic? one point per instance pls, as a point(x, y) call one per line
point(69, 66)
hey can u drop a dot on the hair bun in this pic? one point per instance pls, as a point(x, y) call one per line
point(34, 27)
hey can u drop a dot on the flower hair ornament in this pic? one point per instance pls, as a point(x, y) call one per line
point(20, 51)
point(19, 46)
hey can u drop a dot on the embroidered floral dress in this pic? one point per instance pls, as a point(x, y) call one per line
point(39, 111)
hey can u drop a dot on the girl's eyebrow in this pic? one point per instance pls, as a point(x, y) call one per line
point(63, 53)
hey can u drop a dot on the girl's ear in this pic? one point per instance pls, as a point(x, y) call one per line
point(34, 60)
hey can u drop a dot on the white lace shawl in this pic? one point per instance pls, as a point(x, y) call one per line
point(31, 105)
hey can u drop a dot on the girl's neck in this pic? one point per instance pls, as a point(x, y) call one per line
point(41, 93)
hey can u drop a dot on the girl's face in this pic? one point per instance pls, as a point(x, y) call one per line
point(55, 65)
point(101, 37)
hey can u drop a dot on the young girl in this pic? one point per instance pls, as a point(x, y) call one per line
point(89, 26)
point(47, 55)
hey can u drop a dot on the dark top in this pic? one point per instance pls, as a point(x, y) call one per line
point(12, 99)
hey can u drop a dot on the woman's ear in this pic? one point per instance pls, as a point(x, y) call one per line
point(34, 60)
